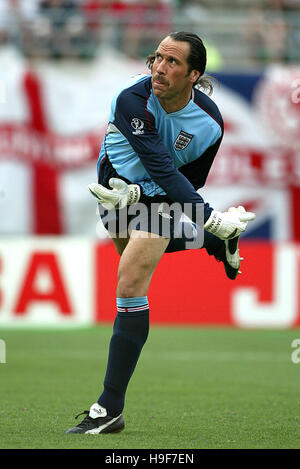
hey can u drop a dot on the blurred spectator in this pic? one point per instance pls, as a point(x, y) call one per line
point(59, 27)
point(196, 13)
point(56, 31)
point(76, 28)
point(149, 21)
point(193, 10)
point(9, 11)
point(105, 20)
point(28, 9)
point(291, 9)
point(267, 33)
point(4, 22)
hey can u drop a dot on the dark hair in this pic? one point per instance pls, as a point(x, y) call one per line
point(196, 59)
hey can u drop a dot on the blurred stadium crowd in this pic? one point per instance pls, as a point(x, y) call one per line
point(241, 33)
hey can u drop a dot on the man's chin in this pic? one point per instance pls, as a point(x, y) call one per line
point(158, 91)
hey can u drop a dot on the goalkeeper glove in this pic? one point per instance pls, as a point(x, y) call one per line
point(227, 225)
point(122, 194)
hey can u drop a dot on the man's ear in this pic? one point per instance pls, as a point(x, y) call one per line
point(195, 74)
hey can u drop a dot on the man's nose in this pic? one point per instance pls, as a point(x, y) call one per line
point(161, 68)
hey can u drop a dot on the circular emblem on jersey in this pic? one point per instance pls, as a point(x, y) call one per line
point(277, 100)
point(137, 125)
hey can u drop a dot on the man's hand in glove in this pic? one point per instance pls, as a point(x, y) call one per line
point(119, 196)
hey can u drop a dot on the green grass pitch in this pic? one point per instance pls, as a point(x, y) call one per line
point(193, 388)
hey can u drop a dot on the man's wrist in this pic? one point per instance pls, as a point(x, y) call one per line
point(134, 194)
point(214, 222)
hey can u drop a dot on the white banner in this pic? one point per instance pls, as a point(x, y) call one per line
point(46, 281)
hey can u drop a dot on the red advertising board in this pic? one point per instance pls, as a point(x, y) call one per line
point(72, 282)
point(191, 288)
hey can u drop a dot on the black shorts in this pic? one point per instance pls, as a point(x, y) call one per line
point(143, 216)
point(159, 219)
point(157, 215)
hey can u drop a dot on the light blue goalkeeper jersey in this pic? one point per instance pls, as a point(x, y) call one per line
point(165, 153)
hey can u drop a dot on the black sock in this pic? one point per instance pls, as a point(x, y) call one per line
point(130, 332)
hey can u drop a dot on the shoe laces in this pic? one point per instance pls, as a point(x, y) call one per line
point(86, 420)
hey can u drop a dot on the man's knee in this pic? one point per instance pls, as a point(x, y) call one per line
point(126, 289)
point(137, 265)
point(132, 282)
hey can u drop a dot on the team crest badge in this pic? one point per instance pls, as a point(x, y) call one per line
point(183, 140)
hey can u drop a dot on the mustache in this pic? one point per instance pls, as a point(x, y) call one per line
point(160, 79)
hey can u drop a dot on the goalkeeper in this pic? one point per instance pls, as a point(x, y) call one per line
point(163, 134)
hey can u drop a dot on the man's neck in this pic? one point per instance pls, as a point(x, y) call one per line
point(173, 105)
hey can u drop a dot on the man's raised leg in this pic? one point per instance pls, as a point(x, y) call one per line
point(223, 251)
